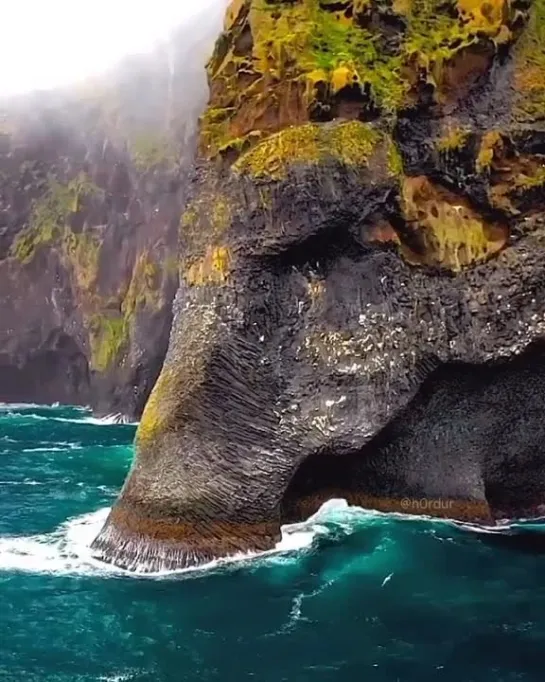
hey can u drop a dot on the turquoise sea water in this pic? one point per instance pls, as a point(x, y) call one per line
point(348, 595)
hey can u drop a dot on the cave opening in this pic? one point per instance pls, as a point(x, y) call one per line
point(57, 372)
point(469, 444)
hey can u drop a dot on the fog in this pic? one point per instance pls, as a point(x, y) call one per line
point(52, 43)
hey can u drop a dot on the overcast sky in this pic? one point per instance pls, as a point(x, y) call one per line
point(46, 43)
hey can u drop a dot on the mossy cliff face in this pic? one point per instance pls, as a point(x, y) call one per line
point(92, 184)
point(285, 63)
point(86, 277)
point(362, 291)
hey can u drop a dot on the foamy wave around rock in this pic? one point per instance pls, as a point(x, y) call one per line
point(67, 549)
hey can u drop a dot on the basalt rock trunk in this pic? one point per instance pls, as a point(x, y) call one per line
point(362, 291)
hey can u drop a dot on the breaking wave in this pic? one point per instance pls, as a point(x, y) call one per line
point(77, 415)
point(67, 550)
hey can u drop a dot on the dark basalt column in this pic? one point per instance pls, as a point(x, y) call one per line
point(210, 469)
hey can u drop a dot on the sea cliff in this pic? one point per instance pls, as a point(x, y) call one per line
point(361, 297)
point(93, 179)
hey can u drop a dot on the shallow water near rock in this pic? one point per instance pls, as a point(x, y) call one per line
point(348, 594)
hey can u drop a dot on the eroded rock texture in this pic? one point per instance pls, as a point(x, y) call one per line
point(92, 185)
point(363, 283)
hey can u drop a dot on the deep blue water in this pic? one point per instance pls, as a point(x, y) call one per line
point(364, 597)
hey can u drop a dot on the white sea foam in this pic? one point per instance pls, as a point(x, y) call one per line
point(21, 406)
point(67, 550)
point(25, 415)
point(109, 420)
point(25, 482)
point(23, 410)
point(64, 551)
point(48, 449)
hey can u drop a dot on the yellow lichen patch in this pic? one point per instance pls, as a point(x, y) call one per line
point(280, 64)
point(394, 159)
point(530, 83)
point(232, 149)
point(215, 132)
point(530, 65)
point(351, 143)
point(454, 139)
point(233, 13)
point(157, 416)
point(283, 64)
point(190, 218)
point(50, 215)
point(220, 214)
point(279, 35)
point(344, 76)
point(517, 180)
point(402, 7)
point(361, 6)
point(451, 50)
point(213, 268)
point(446, 231)
point(535, 178)
point(272, 157)
point(491, 144)
point(108, 337)
point(205, 219)
point(145, 287)
point(83, 252)
point(484, 15)
point(317, 76)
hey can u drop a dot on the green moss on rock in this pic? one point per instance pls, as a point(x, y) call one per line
point(395, 160)
point(531, 180)
point(144, 289)
point(83, 251)
point(50, 217)
point(453, 140)
point(108, 337)
point(283, 64)
point(351, 143)
point(149, 151)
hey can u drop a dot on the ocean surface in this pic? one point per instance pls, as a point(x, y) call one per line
point(347, 596)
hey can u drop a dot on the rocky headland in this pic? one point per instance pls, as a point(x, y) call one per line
point(361, 305)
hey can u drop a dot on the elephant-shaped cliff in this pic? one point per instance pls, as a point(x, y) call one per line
point(362, 292)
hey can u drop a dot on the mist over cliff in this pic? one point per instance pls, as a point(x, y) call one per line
point(93, 179)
